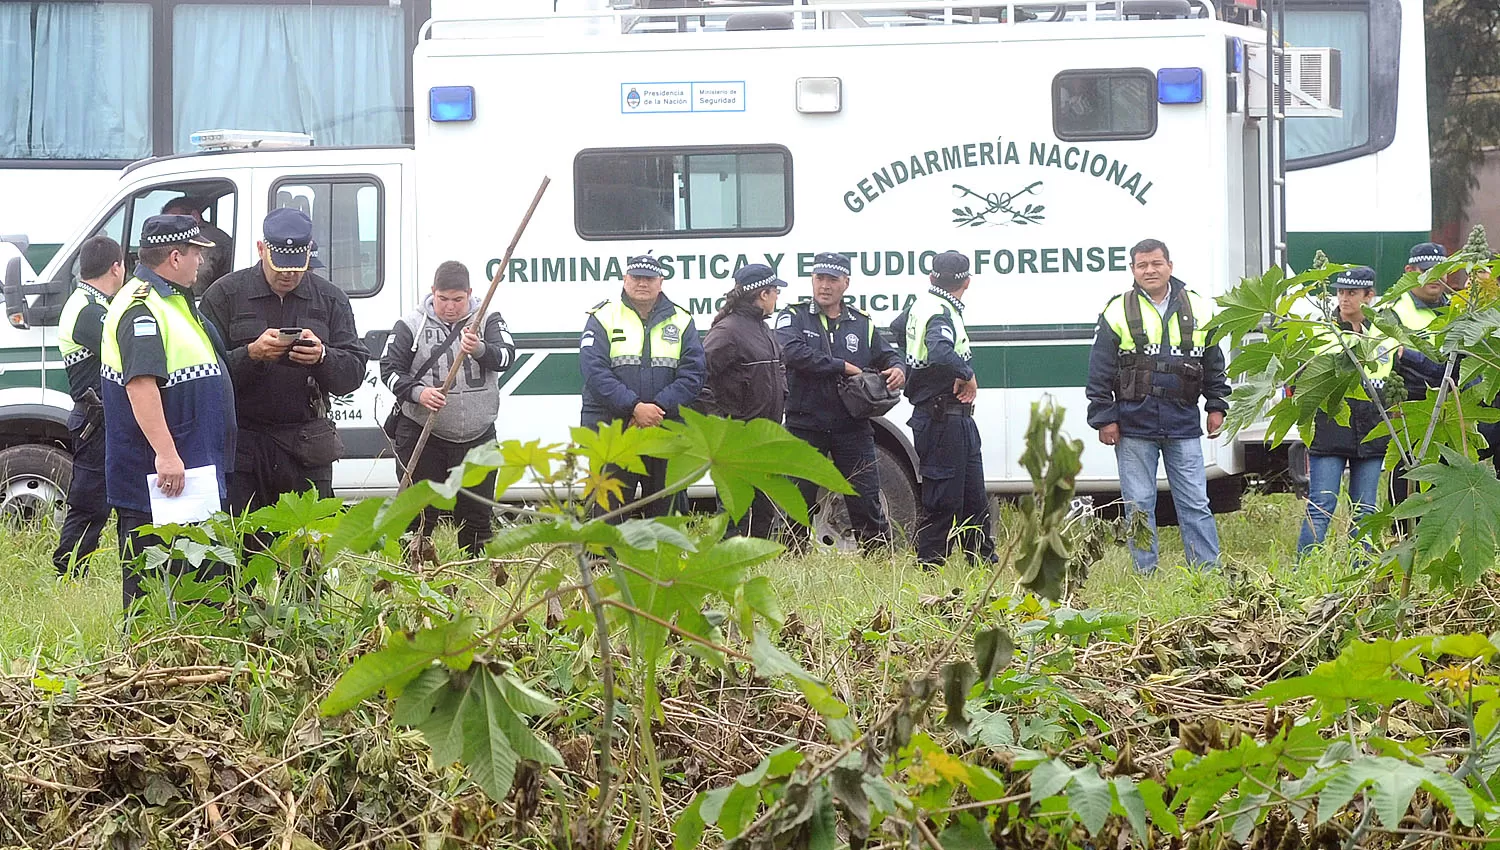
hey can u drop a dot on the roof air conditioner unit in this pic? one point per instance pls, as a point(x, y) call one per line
point(1312, 77)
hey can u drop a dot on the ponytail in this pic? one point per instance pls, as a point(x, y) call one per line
point(733, 300)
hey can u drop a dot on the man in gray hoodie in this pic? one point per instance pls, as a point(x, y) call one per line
point(421, 350)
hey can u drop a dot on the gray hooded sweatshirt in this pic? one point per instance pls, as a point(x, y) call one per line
point(474, 399)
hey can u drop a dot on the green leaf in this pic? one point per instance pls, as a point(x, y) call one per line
point(1392, 783)
point(1049, 778)
point(967, 834)
point(357, 524)
point(1156, 805)
point(388, 668)
point(1474, 646)
point(761, 598)
point(770, 660)
point(419, 698)
point(1089, 797)
point(993, 650)
point(1132, 804)
point(743, 457)
point(739, 807)
point(1460, 511)
point(488, 754)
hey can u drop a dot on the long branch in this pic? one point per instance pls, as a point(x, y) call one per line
point(606, 680)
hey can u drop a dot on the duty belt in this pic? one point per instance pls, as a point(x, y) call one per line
point(949, 406)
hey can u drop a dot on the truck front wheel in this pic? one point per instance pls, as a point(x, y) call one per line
point(34, 484)
point(898, 496)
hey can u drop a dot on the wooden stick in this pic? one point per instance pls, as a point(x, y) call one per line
point(411, 463)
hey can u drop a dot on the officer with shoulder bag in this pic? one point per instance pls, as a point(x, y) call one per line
point(941, 387)
point(80, 331)
point(1149, 366)
point(841, 373)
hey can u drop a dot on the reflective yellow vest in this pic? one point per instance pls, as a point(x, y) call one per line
point(1159, 358)
point(1151, 324)
point(73, 351)
point(628, 341)
point(190, 352)
point(1413, 316)
point(928, 306)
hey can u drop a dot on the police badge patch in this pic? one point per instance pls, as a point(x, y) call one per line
point(851, 342)
point(671, 333)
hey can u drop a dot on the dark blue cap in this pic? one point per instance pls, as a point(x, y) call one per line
point(950, 267)
point(831, 263)
point(1426, 255)
point(756, 276)
point(313, 262)
point(1359, 277)
point(288, 235)
point(644, 266)
point(162, 230)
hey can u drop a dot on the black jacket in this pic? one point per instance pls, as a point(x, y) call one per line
point(1331, 438)
point(746, 379)
point(1152, 417)
point(242, 306)
point(815, 350)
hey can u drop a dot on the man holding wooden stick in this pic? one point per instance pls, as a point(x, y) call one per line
point(423, 348)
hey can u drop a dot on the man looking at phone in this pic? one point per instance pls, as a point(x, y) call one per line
point(291, 344)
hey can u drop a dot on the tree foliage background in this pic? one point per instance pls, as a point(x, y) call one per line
point(1463, 98)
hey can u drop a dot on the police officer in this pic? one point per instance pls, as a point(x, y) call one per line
point(746, 379)
point(822, 341)
point(168, 398)
point(941, 388)
point(218, 260)
point(1415, 310)
point(282, 384)
point(1150, 364)
point(101, 265)
point(642, 361)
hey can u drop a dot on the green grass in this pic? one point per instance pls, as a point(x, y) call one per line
point(62, 621)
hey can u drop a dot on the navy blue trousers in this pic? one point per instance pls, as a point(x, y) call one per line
point(955, 508)
point(88, 507)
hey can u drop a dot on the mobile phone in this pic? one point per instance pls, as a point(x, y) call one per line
point(304, 343)
point(289, 334)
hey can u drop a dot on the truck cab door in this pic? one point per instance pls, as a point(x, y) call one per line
point(356, 216)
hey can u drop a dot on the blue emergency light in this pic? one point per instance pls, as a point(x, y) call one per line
point(451, 103)
point(1179, 85)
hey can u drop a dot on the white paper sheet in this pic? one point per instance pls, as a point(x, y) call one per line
point(198, 501)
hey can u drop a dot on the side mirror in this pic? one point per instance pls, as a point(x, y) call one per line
point(15, 302)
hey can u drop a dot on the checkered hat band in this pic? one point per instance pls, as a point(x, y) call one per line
point(953, 276)
point(759, 284)
point(173, 238)
point(648, 269)
point(277, 249)
point(1424, 258)
point(831, 268)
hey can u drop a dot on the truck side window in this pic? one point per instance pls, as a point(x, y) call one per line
point(348, 215)
point(629, 193)
point(1104, 103)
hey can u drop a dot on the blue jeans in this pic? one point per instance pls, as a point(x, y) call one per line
point(1183, 458)
point(1325, 476)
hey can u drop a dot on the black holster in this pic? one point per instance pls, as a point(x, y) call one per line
point(1136, 378)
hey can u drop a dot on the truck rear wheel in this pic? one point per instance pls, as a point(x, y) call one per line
point(898, 495)
point(34, 485)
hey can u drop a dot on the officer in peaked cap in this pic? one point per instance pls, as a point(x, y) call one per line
point(101, 267)
point(168, 398)
point(1335, 446)
point(822, 341)
point(284, 385)
point(1416, 309)
point(642, 361)
point(941, 387)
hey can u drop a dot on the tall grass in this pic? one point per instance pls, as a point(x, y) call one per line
point(54, 622)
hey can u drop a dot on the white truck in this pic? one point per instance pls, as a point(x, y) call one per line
point(1041, 141)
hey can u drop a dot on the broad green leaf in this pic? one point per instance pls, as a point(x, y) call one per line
point(1089, 797)
point(389, 668)
point(1460, 510)
point(295, 512)
point(525, 700)
point(713, 803)
point(783, 760)
point(516, 732)
point(1392, 783)
point(738, 810)
point(1156, 805)
point(1475, 646)
point(419, 698)
point(1128, 796)
point(356, 526)
point(1335, 689)
point(1049, 778)
point(612, 444)
point(743, 457)
point(488, 754)
point(761, 598)
point(967, 834)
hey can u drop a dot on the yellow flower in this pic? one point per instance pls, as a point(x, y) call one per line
point(1456, 677)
